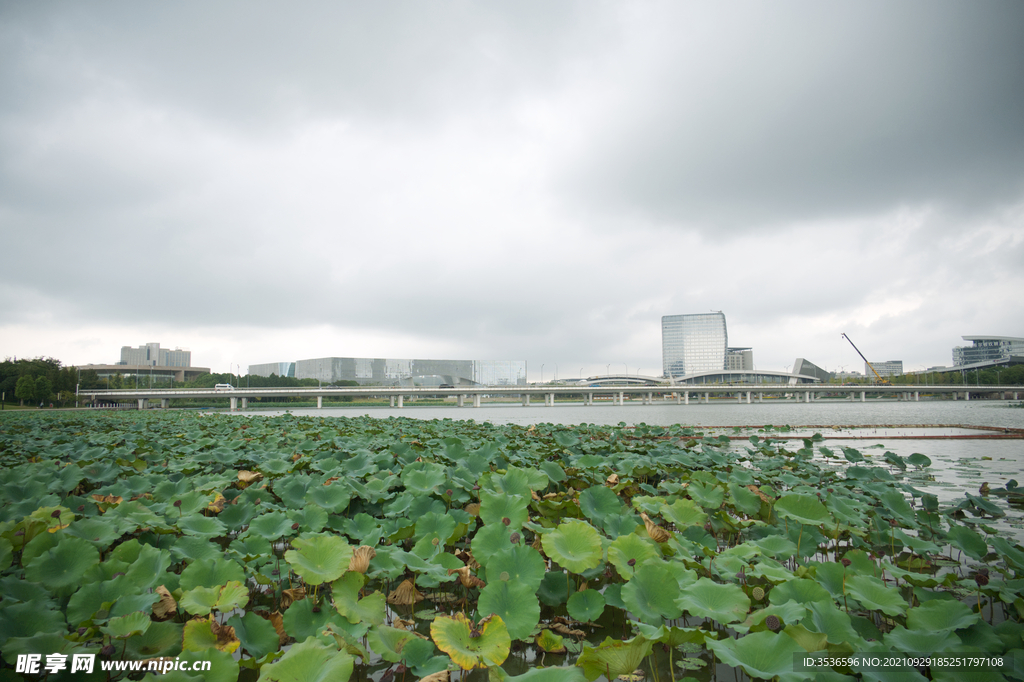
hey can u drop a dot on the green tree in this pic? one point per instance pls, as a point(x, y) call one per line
point(44, 390)
point(25, 389)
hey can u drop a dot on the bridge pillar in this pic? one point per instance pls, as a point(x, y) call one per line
point(679, 398)
point(549, 399)
point(917, 396)
point(686, 397)
point(392, 401)
point(707, 398)
point(526, 400)
point(748, 397)
point(1015, 395)
point(760, 396)
point(476, 400)
point(862, 393)
point(319, 402)
point(400, 400)
point(165, 403)
point(461, 400)
point(143, 404)
point(650, 398)
point(967, 395)
point(807, 396)
point(234, 404)
point(590, 399)
point(621, 399)
point(245, 403)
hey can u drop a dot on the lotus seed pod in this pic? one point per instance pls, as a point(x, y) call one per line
point(773, 623)
point(757, 593)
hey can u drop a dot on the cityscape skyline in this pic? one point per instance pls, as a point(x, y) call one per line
point(528, 180)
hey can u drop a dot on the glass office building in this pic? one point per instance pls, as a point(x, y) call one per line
point(392, 371)
point(693, 343)
point(987, 349)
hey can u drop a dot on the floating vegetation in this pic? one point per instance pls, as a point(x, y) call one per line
point(288, 548)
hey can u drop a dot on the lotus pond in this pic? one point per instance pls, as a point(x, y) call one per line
point(309, 548)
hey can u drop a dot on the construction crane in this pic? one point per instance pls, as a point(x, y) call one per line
point(877, 375)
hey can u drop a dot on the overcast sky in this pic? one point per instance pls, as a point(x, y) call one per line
point(540, 181)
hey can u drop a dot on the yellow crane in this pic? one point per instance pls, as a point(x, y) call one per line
point(877, 375)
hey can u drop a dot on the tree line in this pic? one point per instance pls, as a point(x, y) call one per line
point(43, 380)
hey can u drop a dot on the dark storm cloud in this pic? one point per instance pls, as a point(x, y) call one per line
point(796, 111)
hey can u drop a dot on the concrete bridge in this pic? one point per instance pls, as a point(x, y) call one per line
point(616, 395)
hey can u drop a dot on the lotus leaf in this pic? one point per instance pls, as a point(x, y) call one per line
point(28, 618)
point(684, 513)
point(708, 599)
point(201, 600)
point(800, 590)
point(707, 496)
point(805, 509)
point(201, 526)
point(629, 552)
point(309, 661)
point(345, 590)
point(389, 643)
point(433, 525)
point(424, 478)
point(334, 498)
point(613, 657)
point(653, 593)
point(586, 606)
point(469, 645)
point(902, 639)
point(515, 603)
point(61, 569)
point(760, 654)
point(125, 626)
point(195, 549)
point(303, 619)
point(319, 558)
point(223, 666)
point(575, 545)
point(100, 532)
point(540, 675)
point(520, 563)
point(874, 594)
point(490, 540)
point(556, 588)
point(257, 635)
point(211, 573)
point(941, 614)
point(161, 639)
point(599, 503)
point(271, 526)
point(971, 543)
point(553, 471)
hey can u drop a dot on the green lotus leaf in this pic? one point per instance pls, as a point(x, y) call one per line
point(809, 640)
point(6, 553)
point(50, 642)
point(61, 569)
point(99, 595)
point(573, 674)
point(789, 612)
point(521, 564)
point(598, 503)
point(433, 525)
point(235, 516)
point(201, 600)
point(707, 496)
point(631, 548)
point(496, 507)
point(800, 590)
point(130, 603)
point(98, 531)
point(370, 609)
point(311, 518)
point(303, 619)
point(334, 498)
point(257, 635)
point(586, 606)
point(708, 599)
point(902, 639)
point(775, 546)
point(251, 547)
point(575, 545)
point(760, 654)
point(941, 614)
point(833, 622)
point(874, 594)
point(195, 549)
point(490, 540)
point(743, 499)
point(223, 667)
point(424, 478)
point(309, 661)
point(613, 657)
point(271, 526)
point(125, 626)
point(553, 471)
point(515, 603)
point(201, 526)
point(556, 588)
point(292, 490)
point(389, 643)
point(211, 573)
point(971, 543)
point(275, 466)
point(684, 513)
point(652, 593)
point(468, 646)
point(28, 618)
point(919, 460)
point(550, 642)
point(161, 639)
point(149, 567)
point(319, 558)
point(805, 509)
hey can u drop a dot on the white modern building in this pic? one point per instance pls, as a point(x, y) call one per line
point(988, 349)
point(154, 356)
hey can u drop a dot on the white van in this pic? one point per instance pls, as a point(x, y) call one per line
point(223, 387)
